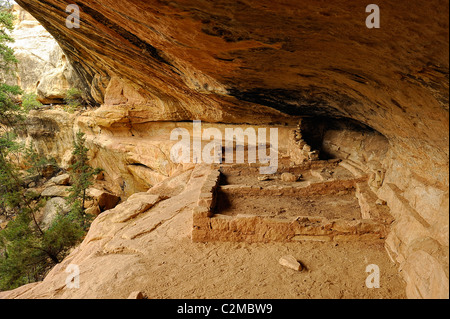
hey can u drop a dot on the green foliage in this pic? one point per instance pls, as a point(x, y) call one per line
point(64, 233)
point(74, 100)
point(27, 251)
point(7, 58)
point(10, 113)
point(36, 162)
point(10, 186)
point(30, 102)
point(82, 175)
point(15, 243)
point(10, 183)
point(29, 254)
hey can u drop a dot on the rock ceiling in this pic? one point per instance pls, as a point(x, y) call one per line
point(266, 61)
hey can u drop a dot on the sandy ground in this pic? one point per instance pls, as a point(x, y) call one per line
point(235, 270)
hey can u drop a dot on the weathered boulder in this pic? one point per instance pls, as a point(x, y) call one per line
point(56, 191)
point(134, 206)
point(61, 180)
point(52, 208)
point(93, 211)
point(43, 68)
point(289, 177)
point(104, 200)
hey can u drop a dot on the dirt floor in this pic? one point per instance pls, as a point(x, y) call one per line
point(239, 270)
point(250, 176)
point(343, 206)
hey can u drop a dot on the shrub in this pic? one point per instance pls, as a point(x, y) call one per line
point(74, 99)
point(30, 102)
point(36, 163)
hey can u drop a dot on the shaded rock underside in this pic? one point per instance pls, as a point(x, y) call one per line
point(266, 62)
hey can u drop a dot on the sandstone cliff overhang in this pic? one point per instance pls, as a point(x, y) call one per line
point(262, 62)
point(241, 61)
point(270, 62)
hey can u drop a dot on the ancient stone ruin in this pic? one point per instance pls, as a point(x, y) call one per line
point(362, 122)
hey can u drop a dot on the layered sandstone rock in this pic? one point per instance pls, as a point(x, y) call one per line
point(43, 68)
point(265, 62)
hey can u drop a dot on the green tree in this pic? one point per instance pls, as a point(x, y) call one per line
point(36, 163)
point(82, 175)
point(27, 251)
point(30, 102)
point(10, 116)
point(74, 99)
point(9, 107)
point(7, 58)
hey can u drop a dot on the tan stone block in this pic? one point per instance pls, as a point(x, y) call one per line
point(201, 212)
point(201, 223)
point(206, 200)
point(369, 226)
point(346, 226)
point(371, 237)
point(363, 237)
point(220, 224)
point(244, 225)
point(273, 235)
point(206, 195)
point(214, 177)
point(210, 184)
point(311, 238)
point(289, 177)
point(206, 189)
point(315, 230)
point(346, 237)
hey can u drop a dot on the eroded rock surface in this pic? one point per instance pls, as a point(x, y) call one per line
point(265, 62)
point(43, 68)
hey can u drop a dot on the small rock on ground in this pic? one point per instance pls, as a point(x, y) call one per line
point(137, 295)
point(291, 263)
point(289, 177)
